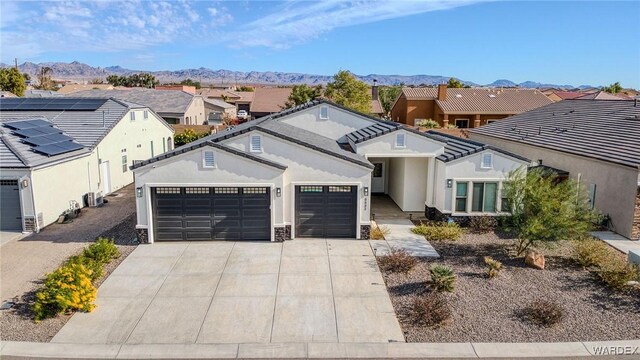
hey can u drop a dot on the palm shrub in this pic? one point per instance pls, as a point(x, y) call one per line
point(545, 209)
point(66, 289)
point(442, 278)
point(493, 266)
point(439, 230)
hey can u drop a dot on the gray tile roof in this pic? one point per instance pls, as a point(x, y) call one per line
point(163, 102)
point(86, 127)
point(372, 131)
point(457, 148)
point(454, 147)
point(607, 130)
point(208, 142)
point(219, 103)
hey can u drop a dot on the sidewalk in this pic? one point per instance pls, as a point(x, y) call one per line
point(401, 237)
point(618, 242)
point(321, 350)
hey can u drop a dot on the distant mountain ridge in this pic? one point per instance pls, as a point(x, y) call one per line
point(79, 71)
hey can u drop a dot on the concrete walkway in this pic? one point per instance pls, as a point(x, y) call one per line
point(617, 241)
point(323, 350)
point(401, 237)
point(300, 291)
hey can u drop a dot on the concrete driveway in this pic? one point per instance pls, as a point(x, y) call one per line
point(242, 292)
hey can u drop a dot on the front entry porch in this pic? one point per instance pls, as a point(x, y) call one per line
point(383, 207)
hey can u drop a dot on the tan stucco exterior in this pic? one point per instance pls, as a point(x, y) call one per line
point(616, 185)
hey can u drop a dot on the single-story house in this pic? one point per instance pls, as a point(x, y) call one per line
point(217, 109)
point(57, 152)
point(174, 106)
point(241, 99)
point(463, 108)
point(597, 142)
point(268, 100)
point(73, 88)
point(310, 171)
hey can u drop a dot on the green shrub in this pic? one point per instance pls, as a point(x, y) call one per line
point(482, 224)
point(429, 124)
point(102, 251)
point(616, 272)
point(397, 260)
point(68, 288)
point(379, 232)
point(544, 313)
point(95, 267)
point(430, 310)
point(439, 231)
point(591, 252)
point(442, 278)
point(493, 266)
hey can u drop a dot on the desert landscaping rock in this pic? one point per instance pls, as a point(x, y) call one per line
point(489, 310)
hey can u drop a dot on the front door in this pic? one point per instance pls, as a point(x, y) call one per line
point(377, 178)
point(106, 177)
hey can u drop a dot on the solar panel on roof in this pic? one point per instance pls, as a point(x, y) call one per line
point(48, 139)
point(50, 104)
point(27, 124)
point(70, 145)
point(50, 150)
point(39, 131)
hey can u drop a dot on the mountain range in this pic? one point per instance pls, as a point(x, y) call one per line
point(83, 72)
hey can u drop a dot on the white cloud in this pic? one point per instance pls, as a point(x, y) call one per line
point(298, 22)
point(212, 11)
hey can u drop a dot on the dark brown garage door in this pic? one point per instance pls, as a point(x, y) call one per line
point(207, 213)
point(326, 211)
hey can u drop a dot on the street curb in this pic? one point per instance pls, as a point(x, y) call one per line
point(319, 350)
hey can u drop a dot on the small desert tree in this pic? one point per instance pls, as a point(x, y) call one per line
point(301, 94)
point(545, 210)
point(348, 91)
point(11, 80)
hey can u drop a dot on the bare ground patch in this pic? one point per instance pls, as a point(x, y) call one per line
point(490, 310)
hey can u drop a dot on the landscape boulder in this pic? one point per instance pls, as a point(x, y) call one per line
point(534, 260)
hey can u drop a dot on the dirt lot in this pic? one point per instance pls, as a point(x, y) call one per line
point(25, 262)
point(490, 310)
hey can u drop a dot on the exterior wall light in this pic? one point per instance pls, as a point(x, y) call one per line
point(449, 183)
point(24, 183)
point(278, 192)
point(139, 192)
point(366, 191)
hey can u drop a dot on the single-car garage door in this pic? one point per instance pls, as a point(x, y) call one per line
point(10, 213)
point(326, 211)
point(211, 213)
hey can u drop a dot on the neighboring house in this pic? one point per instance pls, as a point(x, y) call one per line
point(310, 171)
point(241, 99)
point(73, 88)
point(56, 152)
point(564, 95)
point(175, 106)
point(603, 95)
point(216, 110)
point(595, 141)
point(464, 108)
point(8, 94)
point(268, 100)
point(41, 94)
point(186, 88)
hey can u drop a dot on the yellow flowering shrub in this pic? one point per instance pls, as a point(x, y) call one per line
point(69, 288)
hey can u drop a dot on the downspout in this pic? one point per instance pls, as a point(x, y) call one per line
point(578, 187)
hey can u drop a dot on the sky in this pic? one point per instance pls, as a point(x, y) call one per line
point(561, 42)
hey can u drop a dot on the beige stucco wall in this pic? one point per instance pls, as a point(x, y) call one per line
point(55, 186)
point(408, 182)
point(616, 185)
point(338, 124)
point(415, 145)
point(132, 138)
point(195, 113)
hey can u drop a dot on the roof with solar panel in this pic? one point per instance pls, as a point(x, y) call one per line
point(37, 131)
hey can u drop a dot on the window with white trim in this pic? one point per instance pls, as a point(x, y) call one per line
point(505, 203)
point(591, 193)
point(484, 197)
point(124, 163)
point(324, 112)
point(132, 115)
point(146, 114)
point(462, 193)
point(255, 143)
point(400, 140)
point(208, 159)
point(487, 161)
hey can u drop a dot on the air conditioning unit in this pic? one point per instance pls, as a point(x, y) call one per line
point(95, 199)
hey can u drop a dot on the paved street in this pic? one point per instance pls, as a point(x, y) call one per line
point(299, 291)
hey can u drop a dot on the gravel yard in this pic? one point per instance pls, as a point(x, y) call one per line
point(118, 223)
point(489, 310)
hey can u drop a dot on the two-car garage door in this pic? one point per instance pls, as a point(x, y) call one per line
point(211, 213)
